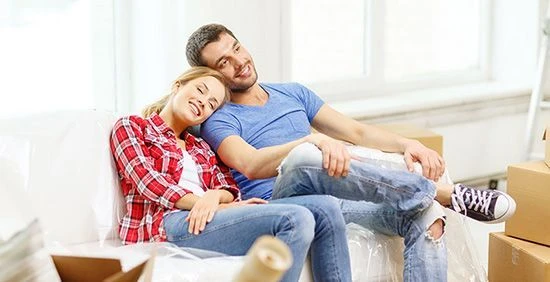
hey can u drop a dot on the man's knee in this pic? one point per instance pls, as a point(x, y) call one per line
point(303, 155)
point(436, 230)
point(431, 222)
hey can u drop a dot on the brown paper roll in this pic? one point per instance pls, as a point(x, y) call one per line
point(267, 260)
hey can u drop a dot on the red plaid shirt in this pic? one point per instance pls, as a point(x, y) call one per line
point(149, 163)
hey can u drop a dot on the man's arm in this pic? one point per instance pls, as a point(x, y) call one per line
point(339, 126)
point(254, 163)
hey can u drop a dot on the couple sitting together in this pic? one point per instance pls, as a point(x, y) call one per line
point(285, 181)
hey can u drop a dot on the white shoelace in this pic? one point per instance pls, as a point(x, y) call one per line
point(479, 200)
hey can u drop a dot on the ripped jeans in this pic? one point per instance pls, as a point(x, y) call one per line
point(392, 202)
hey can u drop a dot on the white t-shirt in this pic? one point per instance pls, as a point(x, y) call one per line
point(190, 176)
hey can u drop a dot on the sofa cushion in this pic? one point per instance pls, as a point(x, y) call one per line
point(63, 164)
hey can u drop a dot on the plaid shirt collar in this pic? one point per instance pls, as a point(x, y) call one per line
point(162, 128)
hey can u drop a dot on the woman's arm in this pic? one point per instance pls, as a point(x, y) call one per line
point(188, 201)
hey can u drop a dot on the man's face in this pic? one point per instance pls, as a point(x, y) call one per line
point(230, 58)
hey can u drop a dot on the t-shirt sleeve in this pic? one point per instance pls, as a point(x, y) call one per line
point(218, 127)
point(312, 103)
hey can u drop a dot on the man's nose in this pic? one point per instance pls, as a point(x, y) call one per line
point(239, 61)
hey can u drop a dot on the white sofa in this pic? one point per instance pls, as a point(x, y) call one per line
point(58, 167)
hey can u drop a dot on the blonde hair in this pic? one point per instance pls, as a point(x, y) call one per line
point(190, 74)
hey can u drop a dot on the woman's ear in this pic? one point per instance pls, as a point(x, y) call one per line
point(175, 87)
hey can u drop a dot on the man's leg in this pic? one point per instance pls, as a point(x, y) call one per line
point(330, 259)
point(301, 173)
point(425, 255)
point(233, 230)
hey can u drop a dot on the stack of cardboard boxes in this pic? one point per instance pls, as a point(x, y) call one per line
point(522, 252)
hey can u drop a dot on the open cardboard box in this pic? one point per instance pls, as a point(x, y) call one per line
point(74, 268)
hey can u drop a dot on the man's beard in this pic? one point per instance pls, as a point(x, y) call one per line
point(244, 87)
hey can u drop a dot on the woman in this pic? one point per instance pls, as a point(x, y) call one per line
point(177, 191)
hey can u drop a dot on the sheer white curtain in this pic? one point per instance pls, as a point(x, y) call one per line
point(150, 50)
point(54, 57)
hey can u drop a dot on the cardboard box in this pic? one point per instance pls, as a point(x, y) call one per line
point(529, 185)
point(516, 260)
point(546, 137)
point(428, 138)
point(73, 268)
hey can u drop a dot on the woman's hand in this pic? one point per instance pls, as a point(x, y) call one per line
point(251, 201)
point(203, 211)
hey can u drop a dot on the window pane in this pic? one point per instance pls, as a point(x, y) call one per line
point(46, 56)
point(428, 36)
point(327, 39)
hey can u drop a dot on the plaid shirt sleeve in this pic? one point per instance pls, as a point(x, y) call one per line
point(134, 163)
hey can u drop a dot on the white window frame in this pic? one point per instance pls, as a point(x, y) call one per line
point(373, 83)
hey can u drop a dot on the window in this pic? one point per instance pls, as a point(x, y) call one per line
point(47, 56)
point(357, 45)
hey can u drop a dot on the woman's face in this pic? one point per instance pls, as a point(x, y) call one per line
point(195, 101)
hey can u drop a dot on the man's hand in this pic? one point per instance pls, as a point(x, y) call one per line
point(203, 211)
point(433, 165)
point(251, 201)
point(336, 158)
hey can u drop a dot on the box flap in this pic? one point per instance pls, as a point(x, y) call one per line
point(143, 270)
point(71, 268)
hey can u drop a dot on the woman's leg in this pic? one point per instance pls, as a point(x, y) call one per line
point(233, 230)
point(330, 259)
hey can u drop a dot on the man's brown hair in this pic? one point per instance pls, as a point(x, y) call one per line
point(200, 38)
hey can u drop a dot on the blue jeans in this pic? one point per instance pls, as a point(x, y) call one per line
point(301, 222)
point(392, 202)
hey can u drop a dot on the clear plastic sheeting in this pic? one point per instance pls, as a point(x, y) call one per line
point(463, 262)
point(375, 257)
point(57, 167)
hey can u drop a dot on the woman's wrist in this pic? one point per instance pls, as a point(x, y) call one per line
point(225, 196)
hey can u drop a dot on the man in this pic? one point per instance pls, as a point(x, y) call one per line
point(265, 122)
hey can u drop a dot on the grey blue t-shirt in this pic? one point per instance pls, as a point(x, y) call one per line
point(285, 117)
